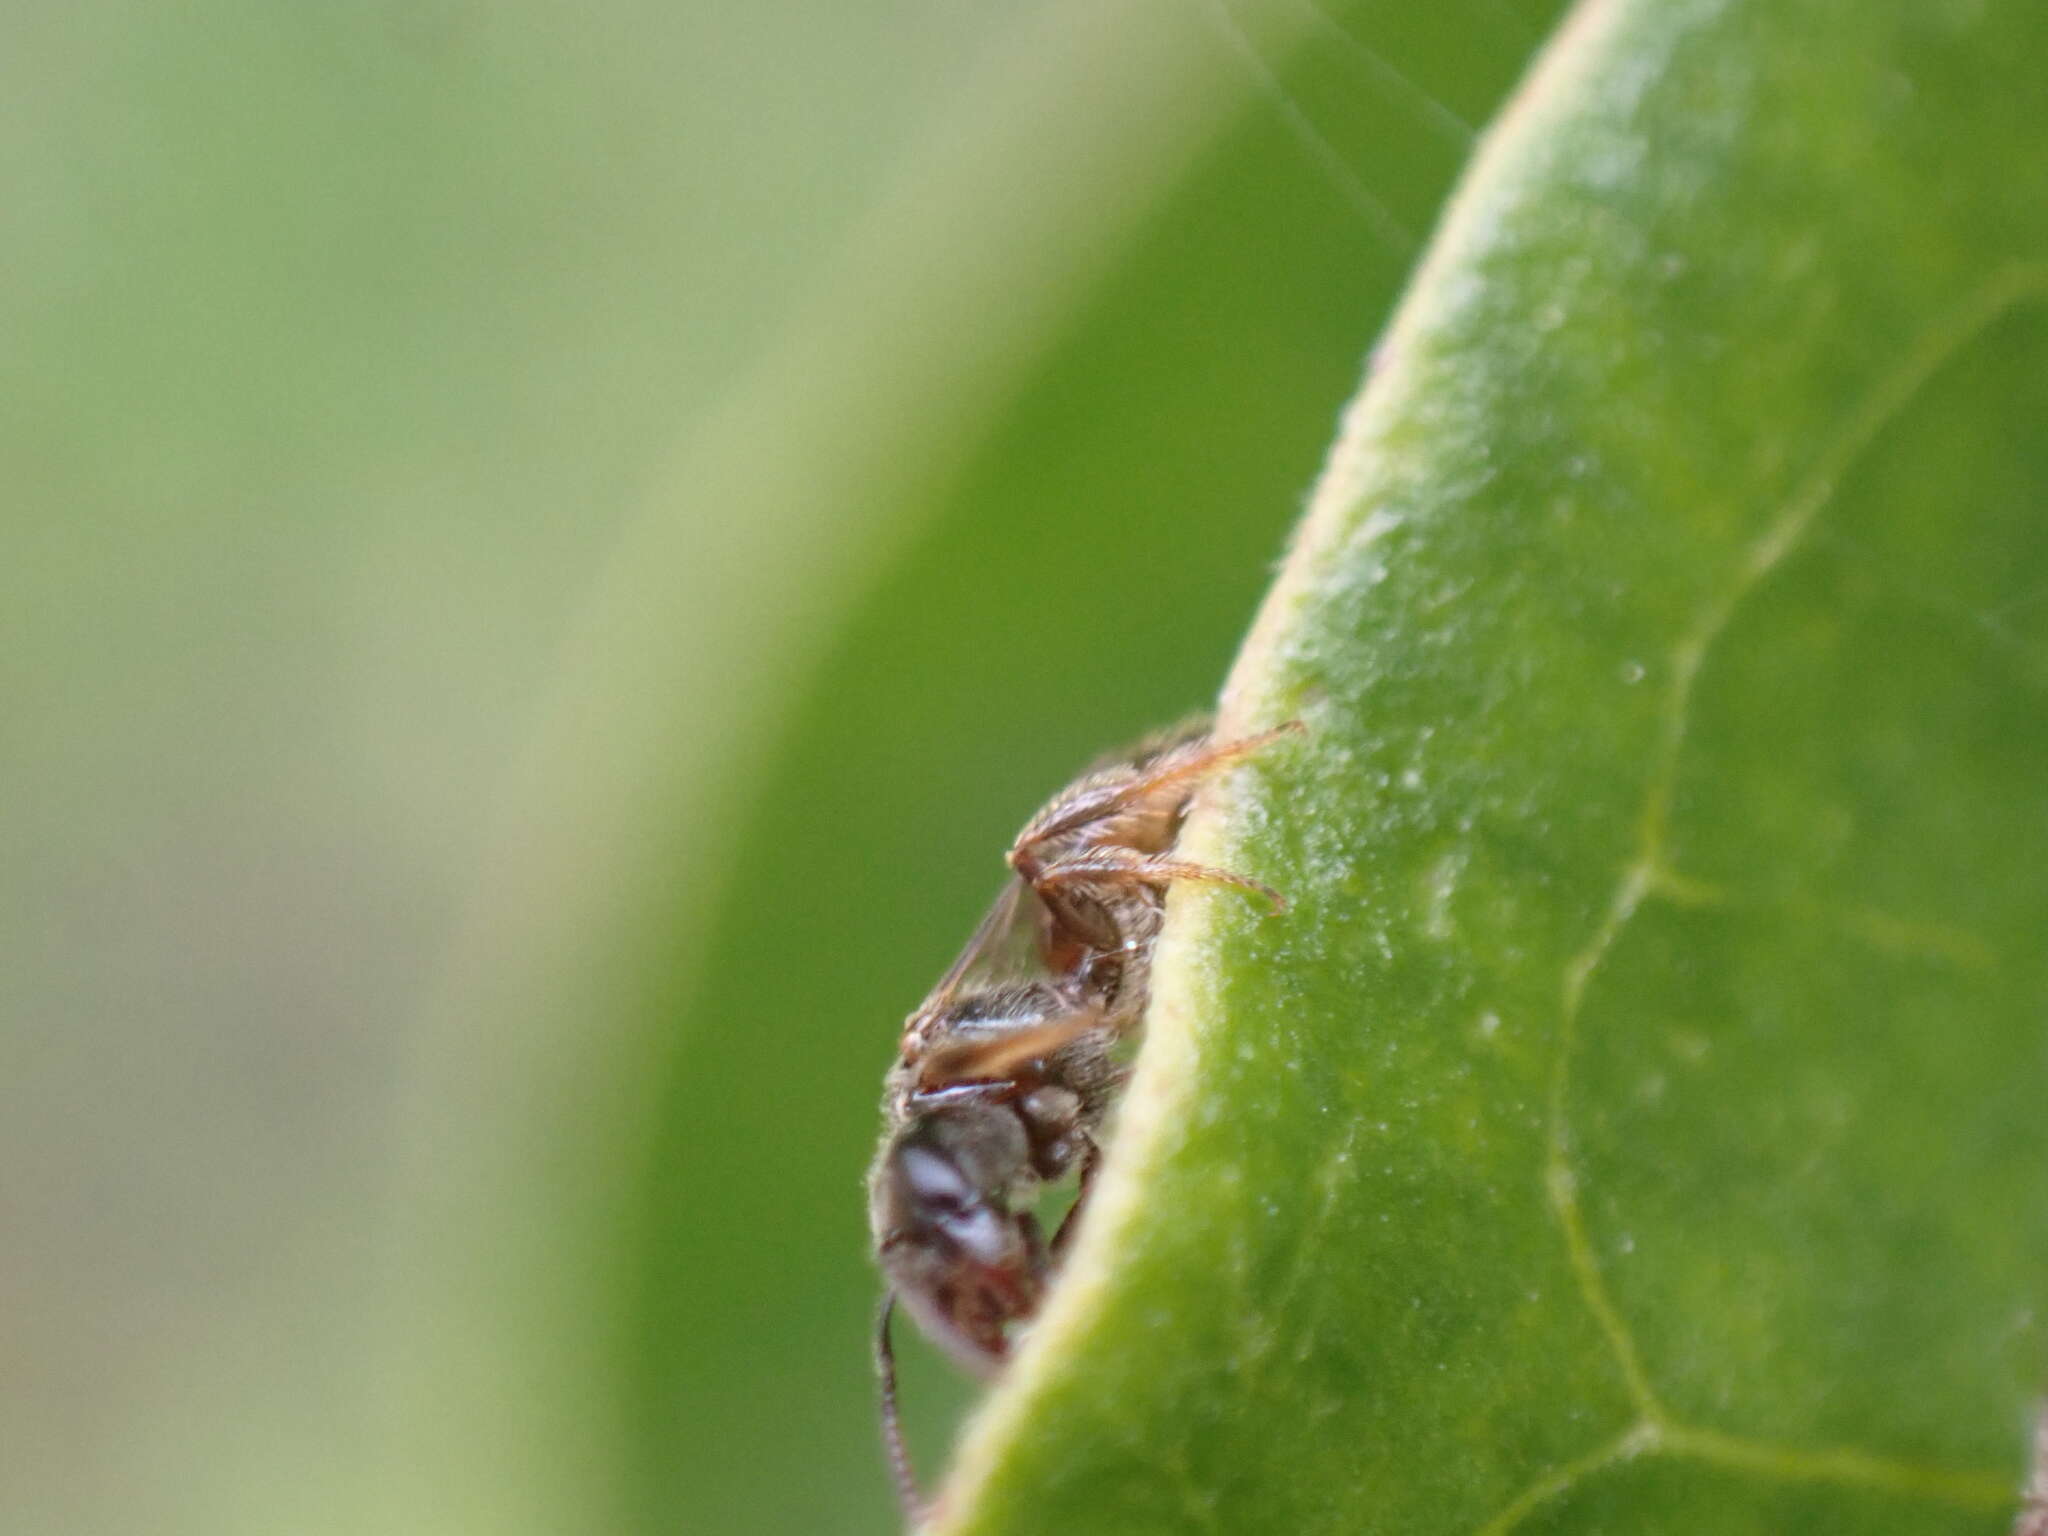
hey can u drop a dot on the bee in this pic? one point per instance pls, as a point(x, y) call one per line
point(1006, 1072)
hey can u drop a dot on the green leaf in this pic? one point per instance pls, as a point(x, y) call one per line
point(1639, 1120)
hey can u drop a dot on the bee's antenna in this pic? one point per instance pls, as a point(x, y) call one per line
point(898, 1453)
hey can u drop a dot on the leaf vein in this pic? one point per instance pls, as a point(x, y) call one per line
point(1650, 872)
point(1844, 1467)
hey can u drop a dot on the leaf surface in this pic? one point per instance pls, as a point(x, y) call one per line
point(1637, 1120)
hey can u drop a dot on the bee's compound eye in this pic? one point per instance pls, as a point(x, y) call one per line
point(944, 1200)
point(934, 1181)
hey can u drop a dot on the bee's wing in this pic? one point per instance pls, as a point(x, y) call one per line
point(1006, 945)
point(997, 1007)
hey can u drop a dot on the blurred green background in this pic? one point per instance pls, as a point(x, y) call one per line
point(546, 552)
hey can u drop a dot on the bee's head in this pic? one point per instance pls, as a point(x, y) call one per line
point(963, 1262)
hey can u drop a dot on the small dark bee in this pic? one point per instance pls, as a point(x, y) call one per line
point(1007, 1070)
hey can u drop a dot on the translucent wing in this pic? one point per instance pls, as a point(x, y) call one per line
point(997, 1006)
point(1007, 945)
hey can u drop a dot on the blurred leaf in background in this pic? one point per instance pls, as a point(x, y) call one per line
point(536, 540)
point(339, 339)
